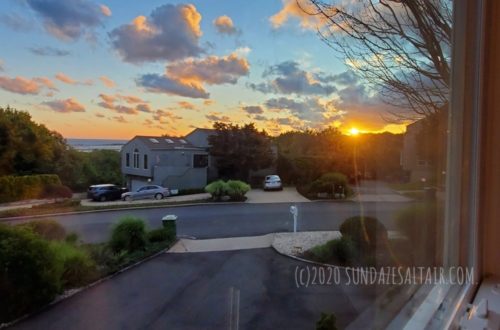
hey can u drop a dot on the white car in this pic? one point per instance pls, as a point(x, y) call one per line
point(272, 182)
point(151, 191)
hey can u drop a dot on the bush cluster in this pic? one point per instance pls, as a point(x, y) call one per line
point(38, 260)
point(29, 271)
point(15, 188)
point(47, 229)
point(128, 235)
point(342, 249)
point(366, 232)
point(56, 191)
point(235, 189)
point(160, 235)
point(76, 266)
point(330, 183)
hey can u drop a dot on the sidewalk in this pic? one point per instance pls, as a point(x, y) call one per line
point(285, 243)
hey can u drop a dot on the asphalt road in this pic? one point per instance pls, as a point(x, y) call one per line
point(230, 220)
point(192, 291)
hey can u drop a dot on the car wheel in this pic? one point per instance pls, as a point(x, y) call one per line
point(158, 196)
point(128, 198)
point(102, 198)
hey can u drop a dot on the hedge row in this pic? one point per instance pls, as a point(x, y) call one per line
point(15, 188)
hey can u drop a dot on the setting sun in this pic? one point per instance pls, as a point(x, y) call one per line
point(354, 131)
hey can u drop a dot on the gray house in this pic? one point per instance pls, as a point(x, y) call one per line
point(176, 163)
point(418, 168)
point(171, 162)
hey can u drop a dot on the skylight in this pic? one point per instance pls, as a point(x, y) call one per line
point(154, 140)
point(183, 141)
point(169, 140)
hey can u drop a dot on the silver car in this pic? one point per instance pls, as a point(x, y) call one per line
point(272, 182)
point(151, 191)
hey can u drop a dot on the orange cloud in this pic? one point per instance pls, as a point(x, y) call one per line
point(65, 106)
point(193, 18)
point(65, 79)
point(107, 82)
point(70, 81)
point(186, 78)
point(186, 105)
point(212, 70)
point(21, 85)
point(105, 10)
point(224, 25)
point(299, 11)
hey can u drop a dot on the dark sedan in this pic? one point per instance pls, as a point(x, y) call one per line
point(105, 192)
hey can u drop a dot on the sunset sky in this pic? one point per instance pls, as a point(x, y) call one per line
point(115, 68)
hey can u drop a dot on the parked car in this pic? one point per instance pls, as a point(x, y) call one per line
point(105, 192)
point(272, 182)
point(151, 191)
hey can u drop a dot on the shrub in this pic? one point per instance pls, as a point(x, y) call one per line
point(14, 188)
point(237, 189)
point(326, 322)
point(365, 232)
point(342, 249)
point(106, 260)
point(29, 272)
point(128, 234)
point(160, 235)
point(217, 189)
point(72, 238)
point(322, 253)
point(48, 229)
point(77, 267)
point(330, 183)
point(56, 191)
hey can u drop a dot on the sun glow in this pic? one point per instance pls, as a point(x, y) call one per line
point(353, 131)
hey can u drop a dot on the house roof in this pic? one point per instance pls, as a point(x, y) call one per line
point(206, 130)
point(165, 142)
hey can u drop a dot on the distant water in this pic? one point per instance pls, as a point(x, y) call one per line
point(96, 144)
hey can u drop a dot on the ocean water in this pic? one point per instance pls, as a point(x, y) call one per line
point(96, 144)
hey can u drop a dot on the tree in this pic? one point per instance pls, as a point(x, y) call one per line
point(239, 149)
point(25, 146)
point(401, 47)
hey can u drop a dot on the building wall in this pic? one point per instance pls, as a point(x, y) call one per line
point(174, 169)
point(129, 148)
point(419, 168)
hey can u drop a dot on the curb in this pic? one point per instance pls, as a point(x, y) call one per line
point(76, 291)
point(116, 209)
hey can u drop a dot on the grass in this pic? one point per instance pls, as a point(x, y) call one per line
point(70, 206)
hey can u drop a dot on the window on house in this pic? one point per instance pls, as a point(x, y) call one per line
point(136, 158)
point(127, 159)
point(145, 162)
point(200, 161)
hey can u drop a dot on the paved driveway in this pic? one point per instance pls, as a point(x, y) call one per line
point(287, 195)
point(192, 291)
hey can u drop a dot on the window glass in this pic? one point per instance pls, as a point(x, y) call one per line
point(318, 157)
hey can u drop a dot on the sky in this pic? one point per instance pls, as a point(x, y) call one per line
point(120, 68)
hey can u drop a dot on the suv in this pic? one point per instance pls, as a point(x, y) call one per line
point(105, 192)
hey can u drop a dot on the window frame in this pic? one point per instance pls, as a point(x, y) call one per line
point(461, 226)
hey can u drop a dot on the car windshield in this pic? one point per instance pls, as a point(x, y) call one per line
point(288, 164)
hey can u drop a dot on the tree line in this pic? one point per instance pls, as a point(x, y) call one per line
point(29, 148)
